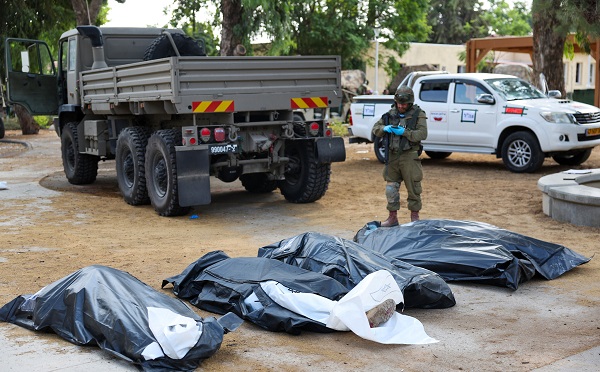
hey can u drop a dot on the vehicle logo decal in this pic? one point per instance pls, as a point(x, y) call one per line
point(308, 102)
point(213, 106)
point(515, 110)
point(439, 116)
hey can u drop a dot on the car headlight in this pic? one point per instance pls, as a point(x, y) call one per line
point(558, 117)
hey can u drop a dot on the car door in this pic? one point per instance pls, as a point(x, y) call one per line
point(470, 123)
point(434, 94)
point(31, 76)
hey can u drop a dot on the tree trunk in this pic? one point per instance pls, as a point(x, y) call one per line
point(81, 7)
point(548, 45)
point(26, 121)
point(232, 16)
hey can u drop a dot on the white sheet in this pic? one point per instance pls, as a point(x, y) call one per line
point(349, 312)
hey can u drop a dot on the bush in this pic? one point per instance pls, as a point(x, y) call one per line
point(12, 123)
point(338, 127)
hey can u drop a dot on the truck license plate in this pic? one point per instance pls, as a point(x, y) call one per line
point(224, 149)
point(592, 132)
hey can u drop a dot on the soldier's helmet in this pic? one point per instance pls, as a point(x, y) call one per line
point(404, 95)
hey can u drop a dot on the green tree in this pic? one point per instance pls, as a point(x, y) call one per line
point(343, 27)
point(506, 20)
point(456, 21)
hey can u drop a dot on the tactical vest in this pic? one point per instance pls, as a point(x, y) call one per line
point(400, 142)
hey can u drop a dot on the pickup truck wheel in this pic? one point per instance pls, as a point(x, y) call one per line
point(161, 173)
point(305, 180)
point(438, 154)
point(379, 149)
point(80, 169)
point(258, 183)
point(161, 47)
point(130, 157)
point(521, 153)
point(574, 158)
point(2, 131)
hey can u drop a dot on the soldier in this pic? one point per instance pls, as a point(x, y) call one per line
point(402, 128)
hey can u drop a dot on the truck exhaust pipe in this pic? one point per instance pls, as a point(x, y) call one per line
point(95, 36)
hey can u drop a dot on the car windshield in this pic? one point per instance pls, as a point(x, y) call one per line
point(512, 89)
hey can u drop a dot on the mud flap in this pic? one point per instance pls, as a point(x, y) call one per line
point(330, 150)
point(193, 176)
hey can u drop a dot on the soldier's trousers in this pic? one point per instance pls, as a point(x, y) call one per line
point(403, 167)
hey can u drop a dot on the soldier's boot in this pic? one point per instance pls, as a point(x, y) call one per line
point(381, 313)
point(392, 220)
point(414, 216)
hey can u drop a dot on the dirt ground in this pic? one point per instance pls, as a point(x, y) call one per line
point(49, 228)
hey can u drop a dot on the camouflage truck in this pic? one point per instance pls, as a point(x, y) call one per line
point(171, 117)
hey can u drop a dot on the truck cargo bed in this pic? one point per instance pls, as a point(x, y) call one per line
point(179, 85)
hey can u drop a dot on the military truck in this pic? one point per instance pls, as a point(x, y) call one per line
point(172, 117)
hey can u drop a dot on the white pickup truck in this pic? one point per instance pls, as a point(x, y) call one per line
point(490, 114)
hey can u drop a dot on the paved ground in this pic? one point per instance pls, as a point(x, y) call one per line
point(49, 228)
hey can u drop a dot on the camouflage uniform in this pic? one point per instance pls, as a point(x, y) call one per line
point(403, 162)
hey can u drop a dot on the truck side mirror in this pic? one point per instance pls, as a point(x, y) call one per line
point(488, 99)
point(554, 94)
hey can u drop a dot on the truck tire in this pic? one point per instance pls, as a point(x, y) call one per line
point(161, 173)
point(305, 180)
point(130, 158)
point(521, 153)
point(438, 154)
point(161, 47)
point(379, 149)
point(2, 131)
point(80, 169)
point(258, 183)
point(574, 158)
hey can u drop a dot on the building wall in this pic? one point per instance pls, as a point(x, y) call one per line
point(445, 57)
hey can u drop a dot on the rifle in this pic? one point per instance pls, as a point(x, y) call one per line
point(386, 139)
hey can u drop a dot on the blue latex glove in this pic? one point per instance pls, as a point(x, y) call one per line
point(397, 130)
point(387, 129)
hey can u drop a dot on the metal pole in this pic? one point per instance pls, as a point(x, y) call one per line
point(376, 88)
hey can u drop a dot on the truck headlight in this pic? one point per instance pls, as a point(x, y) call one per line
point(558, 117)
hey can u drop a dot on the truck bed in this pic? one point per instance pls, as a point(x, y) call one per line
point(176, 85)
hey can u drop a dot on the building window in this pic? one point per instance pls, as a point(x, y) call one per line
point(591, 75)
point(461, 69)
point(578, 73)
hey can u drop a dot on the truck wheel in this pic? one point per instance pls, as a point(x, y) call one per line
point(2, 132)
point(379, 149)
point(574, 158)
point(80, 169)
point(305, 180)
point(521, 153)
point(161, 173)
point(161, 47)
point(438, 154)
point(258, 183)
point(130, 155)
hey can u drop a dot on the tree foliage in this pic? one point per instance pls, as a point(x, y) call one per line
point(456, 21)
point(342, 27)
point(506, 20)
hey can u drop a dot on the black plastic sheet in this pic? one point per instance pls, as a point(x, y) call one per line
point(102, 306)
point(470, 251)
point(349, 263)
point(219, 284)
